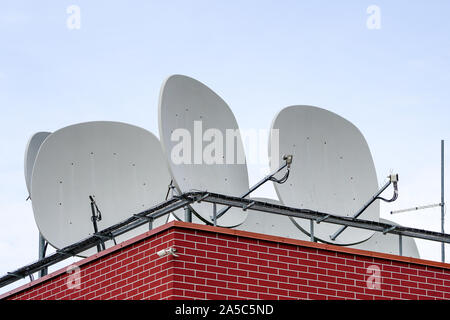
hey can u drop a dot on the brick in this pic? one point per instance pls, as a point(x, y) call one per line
point(327, 292)
point(287, 286)
point(317, 296)
point(228, 292)
point(360, 296)
point(288, 259)
point(307, 262)
point(287, 273)
point(237, 245)
point(298, 295)
point(435, 281)
point(206, 261)
point(267, 283)
point(215, 269)
point(257, 248)
point(345, 294)
point(307, 275)
point(248, 267)
point(196, 239)
point(258, 289)
point(258, 275)
point(200, 288)
point(400, 289)
point(274, 277)
point(207, 275)
point(237, 286)
point(195, 280)
point(227, 277)
point(227, 250)
point(318, 270)
point(248, 253)
point(216, 283)
point(279, 265)
point(264, 296)
point(216, 256)
point(435, 294)
point(336, 286)
point(278, 292)
point(258, 262)
point(307, 289)
point(318, 284)
point(297, 267)
point(238, 259)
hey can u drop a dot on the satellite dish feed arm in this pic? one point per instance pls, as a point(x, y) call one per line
point(96, 216)
point(393, 179)
point(270, 177)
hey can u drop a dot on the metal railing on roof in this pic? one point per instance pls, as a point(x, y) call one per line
point(185, 199)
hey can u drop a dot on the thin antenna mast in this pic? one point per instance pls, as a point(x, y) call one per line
point(441, 204)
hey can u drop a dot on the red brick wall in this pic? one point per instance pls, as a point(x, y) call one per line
point(125, 272)
point(216, 263)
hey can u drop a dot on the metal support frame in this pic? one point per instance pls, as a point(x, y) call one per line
point(177, 202)
point(392, 179)
point(214, 217)
point(270, 177)
point(42, 249)
point(187, 214)
point(96, 216)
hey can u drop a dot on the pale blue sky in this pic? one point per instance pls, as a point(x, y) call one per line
point(260, 56)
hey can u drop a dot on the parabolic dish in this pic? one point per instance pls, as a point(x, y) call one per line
point(389, 243)
point(193, 126)
point(121, 165)
point(271, 224)
point(332, 170)
point(31, 151)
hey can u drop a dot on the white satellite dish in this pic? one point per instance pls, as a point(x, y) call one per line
point(121, 165)
point(332, 171)
point(271, 224)
point(389, 243)
point(188, 106)
point(31, 150)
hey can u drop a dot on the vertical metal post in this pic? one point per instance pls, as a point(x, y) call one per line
point(187, 214)
point(215, 214)
point(442, 199)
point(150, 224)
point(311, 230)
point(94, 222)
point(400, 245)
point(44, 271)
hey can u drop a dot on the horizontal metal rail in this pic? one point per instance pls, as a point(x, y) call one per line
point(315, 215)
point(188, 198)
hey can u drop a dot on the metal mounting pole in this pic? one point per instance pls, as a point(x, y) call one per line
point(187, 214)
point(96, 216)
point(150, 224)
point(215, 214)
point(42, 249)
point(442, 200)
point(400, 245)
point(311, 232)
